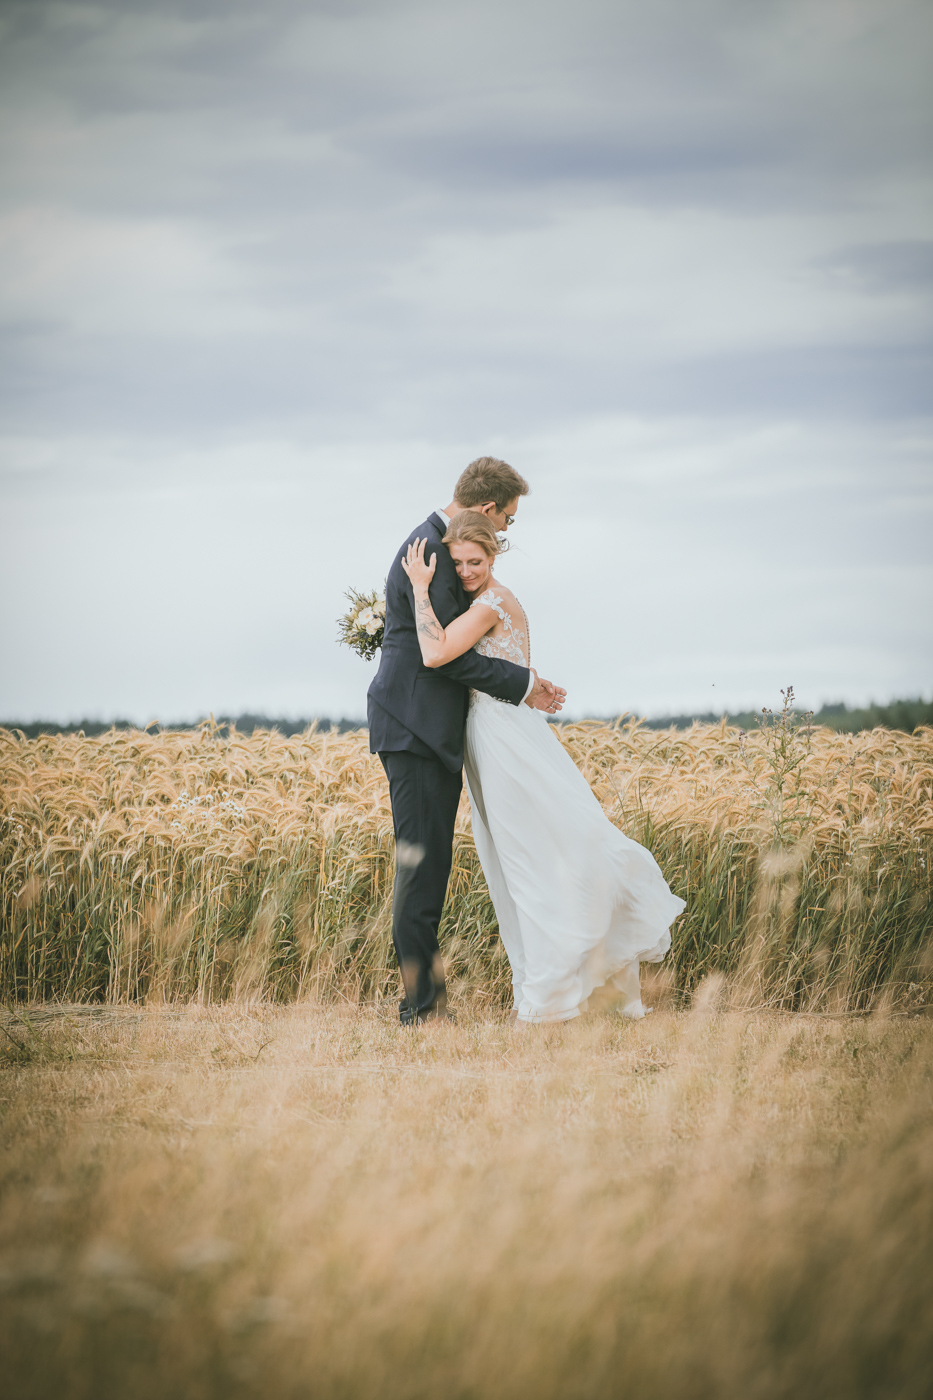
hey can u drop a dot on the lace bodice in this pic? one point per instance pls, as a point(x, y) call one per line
point(513, 646)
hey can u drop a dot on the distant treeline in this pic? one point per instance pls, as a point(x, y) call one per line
point(906, 715)
point(246, 724)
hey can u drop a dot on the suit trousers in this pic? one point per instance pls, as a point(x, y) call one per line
point(425, 796)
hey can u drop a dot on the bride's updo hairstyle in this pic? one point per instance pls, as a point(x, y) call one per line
point(470, 527)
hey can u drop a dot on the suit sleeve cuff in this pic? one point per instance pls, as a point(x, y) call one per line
point(531, 686)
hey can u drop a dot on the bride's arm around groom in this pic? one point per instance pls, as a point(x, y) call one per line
point(406, 697)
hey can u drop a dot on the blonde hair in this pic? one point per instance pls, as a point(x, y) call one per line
point(489, 479)
point(470, 527)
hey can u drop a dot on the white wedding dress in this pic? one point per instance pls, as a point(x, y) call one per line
point(579, 904)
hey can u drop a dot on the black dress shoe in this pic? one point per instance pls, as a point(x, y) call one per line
point(437, 1011)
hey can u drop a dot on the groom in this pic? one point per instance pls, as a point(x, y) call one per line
point(417, 719)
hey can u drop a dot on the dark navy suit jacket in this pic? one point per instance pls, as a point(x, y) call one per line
point(411, 707)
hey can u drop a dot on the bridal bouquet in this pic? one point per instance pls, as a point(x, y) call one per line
point(362, 627)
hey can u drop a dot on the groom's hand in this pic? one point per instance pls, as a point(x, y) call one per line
point(546, 696)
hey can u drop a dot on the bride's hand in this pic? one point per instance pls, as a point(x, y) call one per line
point(420, 572)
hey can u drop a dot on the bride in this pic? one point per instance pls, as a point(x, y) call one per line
point(579, 904)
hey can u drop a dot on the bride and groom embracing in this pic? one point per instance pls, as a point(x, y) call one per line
point(579, 904)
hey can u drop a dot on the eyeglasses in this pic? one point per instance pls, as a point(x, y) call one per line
point(509, 520)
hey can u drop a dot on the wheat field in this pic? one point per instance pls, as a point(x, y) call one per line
point(193, 865)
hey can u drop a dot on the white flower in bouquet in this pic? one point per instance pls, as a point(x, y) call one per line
point(362, 627)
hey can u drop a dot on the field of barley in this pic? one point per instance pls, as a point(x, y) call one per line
point(187, 865)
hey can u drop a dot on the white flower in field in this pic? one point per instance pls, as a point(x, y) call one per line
point(365, 618)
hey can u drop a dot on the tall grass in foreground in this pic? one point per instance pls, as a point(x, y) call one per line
point(182, 865)
point(313, 1201)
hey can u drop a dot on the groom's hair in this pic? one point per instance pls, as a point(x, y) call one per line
point(488, 479)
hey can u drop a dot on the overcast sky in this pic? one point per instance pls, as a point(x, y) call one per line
point(272, 275)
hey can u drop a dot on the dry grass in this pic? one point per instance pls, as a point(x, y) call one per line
point(178, 865)
point(295, 1201)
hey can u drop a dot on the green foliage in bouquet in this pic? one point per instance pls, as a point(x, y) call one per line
point(363, 626)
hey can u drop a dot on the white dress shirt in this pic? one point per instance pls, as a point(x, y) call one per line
point(531, 680)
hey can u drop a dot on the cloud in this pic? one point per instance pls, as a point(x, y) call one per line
point(306, 260)
point(903, 267)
